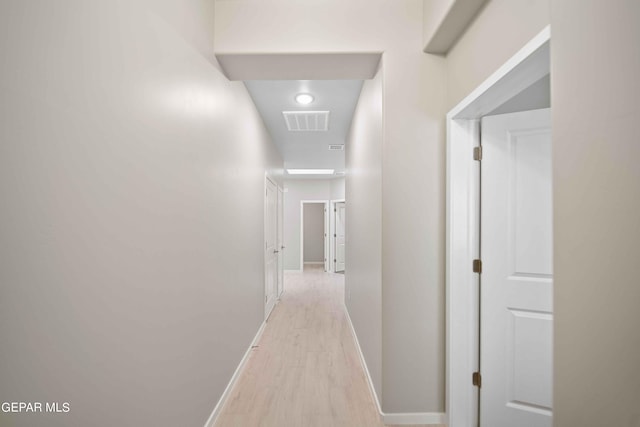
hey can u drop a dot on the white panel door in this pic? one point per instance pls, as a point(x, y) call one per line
point(516, 281)
point(280, 243)
point(339, 237)
point(270, 246)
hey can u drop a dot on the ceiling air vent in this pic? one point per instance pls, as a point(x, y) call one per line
point(306, 121)
point(336, 147)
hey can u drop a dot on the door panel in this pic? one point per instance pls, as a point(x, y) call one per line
point(516, 281)
point(529, 358)
point(530, 201)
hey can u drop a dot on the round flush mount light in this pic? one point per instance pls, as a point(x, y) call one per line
point(304, 98)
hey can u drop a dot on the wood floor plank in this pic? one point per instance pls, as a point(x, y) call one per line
point(305, 370)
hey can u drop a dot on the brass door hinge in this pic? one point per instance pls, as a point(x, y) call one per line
point(476, 379)
point(477, 153)
point(477, 266)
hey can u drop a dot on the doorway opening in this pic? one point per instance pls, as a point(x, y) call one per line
point(520, 333)
point(313, 234)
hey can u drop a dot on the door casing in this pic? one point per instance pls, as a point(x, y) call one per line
point(526, 67)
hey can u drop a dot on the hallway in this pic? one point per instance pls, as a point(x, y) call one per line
point(305, 370)
point(156, 158)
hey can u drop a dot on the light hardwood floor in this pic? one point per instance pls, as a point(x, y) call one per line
point(305, 370)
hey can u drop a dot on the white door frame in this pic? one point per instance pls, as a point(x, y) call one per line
point(526, 67)
point(280, 239)
point(267, 310)
point(332, 231)
point(325, 203)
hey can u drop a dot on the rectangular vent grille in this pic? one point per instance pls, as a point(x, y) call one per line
point(306, 121)
point(336, 147)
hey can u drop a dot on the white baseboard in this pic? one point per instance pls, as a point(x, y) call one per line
point(428, 418)
point(227, 391)
point(364, 363)
point(293, 271)
point(314, 262)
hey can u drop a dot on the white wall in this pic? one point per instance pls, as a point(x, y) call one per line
point(131, 221)
point(363, 273)
point(413, 165)
point(313, 228)
point(595, 90)
point(594, 97)
point(495, 35)
point(337, 188)
point(295, 192)
point(434, 12)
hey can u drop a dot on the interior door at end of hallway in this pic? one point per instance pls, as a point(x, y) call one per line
point(517, 272)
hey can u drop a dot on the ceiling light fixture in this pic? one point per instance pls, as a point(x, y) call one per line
point(310, 171)
point(304, 98)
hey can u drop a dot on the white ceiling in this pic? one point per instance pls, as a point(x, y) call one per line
point(307, 150)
